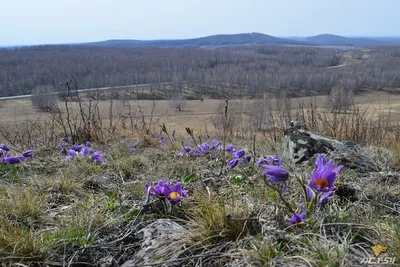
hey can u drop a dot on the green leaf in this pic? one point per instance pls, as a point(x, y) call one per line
point(131, 214)
point(238, 179)
point(189, 177)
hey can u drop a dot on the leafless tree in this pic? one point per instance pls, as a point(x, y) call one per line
point(44, 98)
point(340, 98)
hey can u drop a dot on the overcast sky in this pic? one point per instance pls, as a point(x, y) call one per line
point(69, 21)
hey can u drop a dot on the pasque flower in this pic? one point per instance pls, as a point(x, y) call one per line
point(28, 154)
point(276, 174)
point(163, 190)
point(4, 147)
point(324, 175)
point(297, 218)
point(97, 157)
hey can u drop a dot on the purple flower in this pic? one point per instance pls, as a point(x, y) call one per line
point(203, 146)
point(261, 161)
point(85, 151)
point(230, 148)
point(325, 196)
point(12, 160)
point(71, 154)
point(276, 174)
point(162, 189)
point(28, 154)
point(64, 140)
point(185, 149)
point(88, 144)
point(246, 159)
point(131, 148)
point(176, 193)
point(324, 175)
point(274, 160)
point(215, 144)
point(63, 149)
point(297, 218)
point(163, 139)
point(4, 147)
point(310, 193)
point(199, 152)
point(77, 148)
point(97, 157)
point(233, 163)
point(239, 154)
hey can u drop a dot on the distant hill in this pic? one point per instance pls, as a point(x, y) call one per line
point(214, 40)
point(330, 39)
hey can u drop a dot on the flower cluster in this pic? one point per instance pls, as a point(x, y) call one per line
point(7, 158)
point(163, 190)
point(81, 151)
point(319, 188)
point(239, 157)
point(203, 149)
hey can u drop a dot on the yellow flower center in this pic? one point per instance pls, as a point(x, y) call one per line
point(322, 182)
point(174, 195)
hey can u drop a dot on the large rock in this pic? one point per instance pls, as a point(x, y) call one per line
point(300, 146)
point(162, 240)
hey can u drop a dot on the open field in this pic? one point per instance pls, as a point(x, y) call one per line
point(196, 113)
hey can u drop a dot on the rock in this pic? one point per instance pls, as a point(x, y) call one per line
point(108, 261)
point(162, 240)
point(299, 146)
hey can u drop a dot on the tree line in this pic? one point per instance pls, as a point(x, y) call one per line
point(251, 70)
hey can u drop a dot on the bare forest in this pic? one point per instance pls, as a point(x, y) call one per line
point(214, 72)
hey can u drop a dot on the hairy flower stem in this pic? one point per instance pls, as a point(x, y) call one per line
point(280, 195)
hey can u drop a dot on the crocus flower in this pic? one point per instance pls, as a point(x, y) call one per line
point(325, 196)
point(176, 193)
point(324, 175)
point(233, 163)
point(97, 157)
point(186, 149)
point(11, 160)
point(239, 154)
point(246, 159)
point(28, 154)
point(276, 174)
point(204, 146)
point(131, 148)
point(215, 144)
point(162, 189)
point(297, 218)
point(71, 154)
point(88, 144)
point(84, 152)
point(77, 148)
point(274, 160)
point(310, 193)
point(230, 148)
point(4, 147)
point(261, 161)
point(163, 139)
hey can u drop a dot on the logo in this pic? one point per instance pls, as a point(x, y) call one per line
point(378, 250)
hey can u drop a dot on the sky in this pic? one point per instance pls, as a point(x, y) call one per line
point(25, 22)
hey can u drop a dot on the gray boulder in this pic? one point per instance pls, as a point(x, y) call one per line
point(300, 146)
point(161, 241)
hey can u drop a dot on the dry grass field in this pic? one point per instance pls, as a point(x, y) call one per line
point(196, 114)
